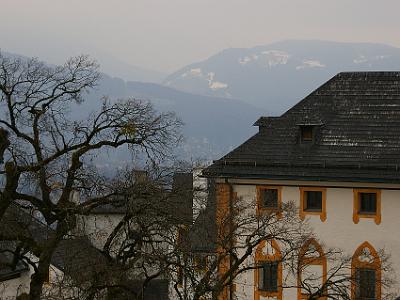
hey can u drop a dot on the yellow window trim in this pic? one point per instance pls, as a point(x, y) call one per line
point(311, 261)
point(260, 257)
point(375, 264)
point(261, 209)
point(224, 196)
point(303, 212)
point(356, 204)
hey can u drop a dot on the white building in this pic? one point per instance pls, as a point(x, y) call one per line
point(336, 154)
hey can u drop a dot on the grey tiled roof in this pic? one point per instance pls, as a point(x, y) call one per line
point(357, 135)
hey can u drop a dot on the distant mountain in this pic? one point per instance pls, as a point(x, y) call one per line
point(276, 76)
point(118, 68)
point(212, 125)
point(115, 68)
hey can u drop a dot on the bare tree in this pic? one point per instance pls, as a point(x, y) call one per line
point(47, 152)
point(341, 276)
point(47, 155)
point(241, 234)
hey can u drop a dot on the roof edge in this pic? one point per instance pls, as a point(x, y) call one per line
point(305, 178)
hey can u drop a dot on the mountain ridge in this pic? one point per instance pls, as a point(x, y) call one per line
point(277, 75)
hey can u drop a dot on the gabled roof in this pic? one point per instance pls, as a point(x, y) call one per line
point(357, 121)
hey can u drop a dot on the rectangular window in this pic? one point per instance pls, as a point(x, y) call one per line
point(268, 277)
point(269, 198)
point(365, 284)
point(313, 201)
point(306, 134)
point(367, 202)
point(201, 262)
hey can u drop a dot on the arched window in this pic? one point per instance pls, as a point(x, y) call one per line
point(268, 274)
point(366, 273)
point(312, 269)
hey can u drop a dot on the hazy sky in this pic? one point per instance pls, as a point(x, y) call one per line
point(167, 34)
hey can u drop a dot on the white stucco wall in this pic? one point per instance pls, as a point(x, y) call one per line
point(98, 227)
point(12, 288)
point(338, 230)
point(199, 193)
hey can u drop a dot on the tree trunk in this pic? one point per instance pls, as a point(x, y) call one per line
point(12, 179)
point(42, 273)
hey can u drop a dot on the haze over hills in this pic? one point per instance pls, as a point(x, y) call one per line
point(208, 121)
point(268, 80)
point(118, 68)
point(212, 125)
point(112, 66)
point(278, 75)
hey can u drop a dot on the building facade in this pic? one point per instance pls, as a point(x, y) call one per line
point(335, 155)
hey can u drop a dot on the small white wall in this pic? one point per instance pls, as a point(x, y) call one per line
point(199, 193)
point(12, 288)
point(98, 227)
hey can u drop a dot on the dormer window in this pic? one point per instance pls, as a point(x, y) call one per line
point(309, 130)
point(307, 133)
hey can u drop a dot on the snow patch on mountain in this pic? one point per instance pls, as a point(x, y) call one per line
point(216, 85)
point(306, 64)
point(270, 58)
point(275, 57)
point(196, 72)
point(247, 59)
point(382, 56)
point(244, 60)
point(363, 59)
point(360, 59)
point(209, 77)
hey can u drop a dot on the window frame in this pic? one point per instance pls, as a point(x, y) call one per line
point(261, 268)
point(356, 263)
point(306, 130)
point(357, 214)
point(201, 262)
point(263, 209)
point(358, 282)
point(303, 198)
point(304, 261)
point(260, 258)
point(306, 201)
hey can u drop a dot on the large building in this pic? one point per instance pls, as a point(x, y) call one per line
point(336, 154)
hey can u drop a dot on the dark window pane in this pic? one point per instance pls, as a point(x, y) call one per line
point(201, 262)
point(365, 284)
point(367, 202)
point(306, 133)
point(269, 198)
point(261, 284)
point(313, 200)
point(268, 277)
